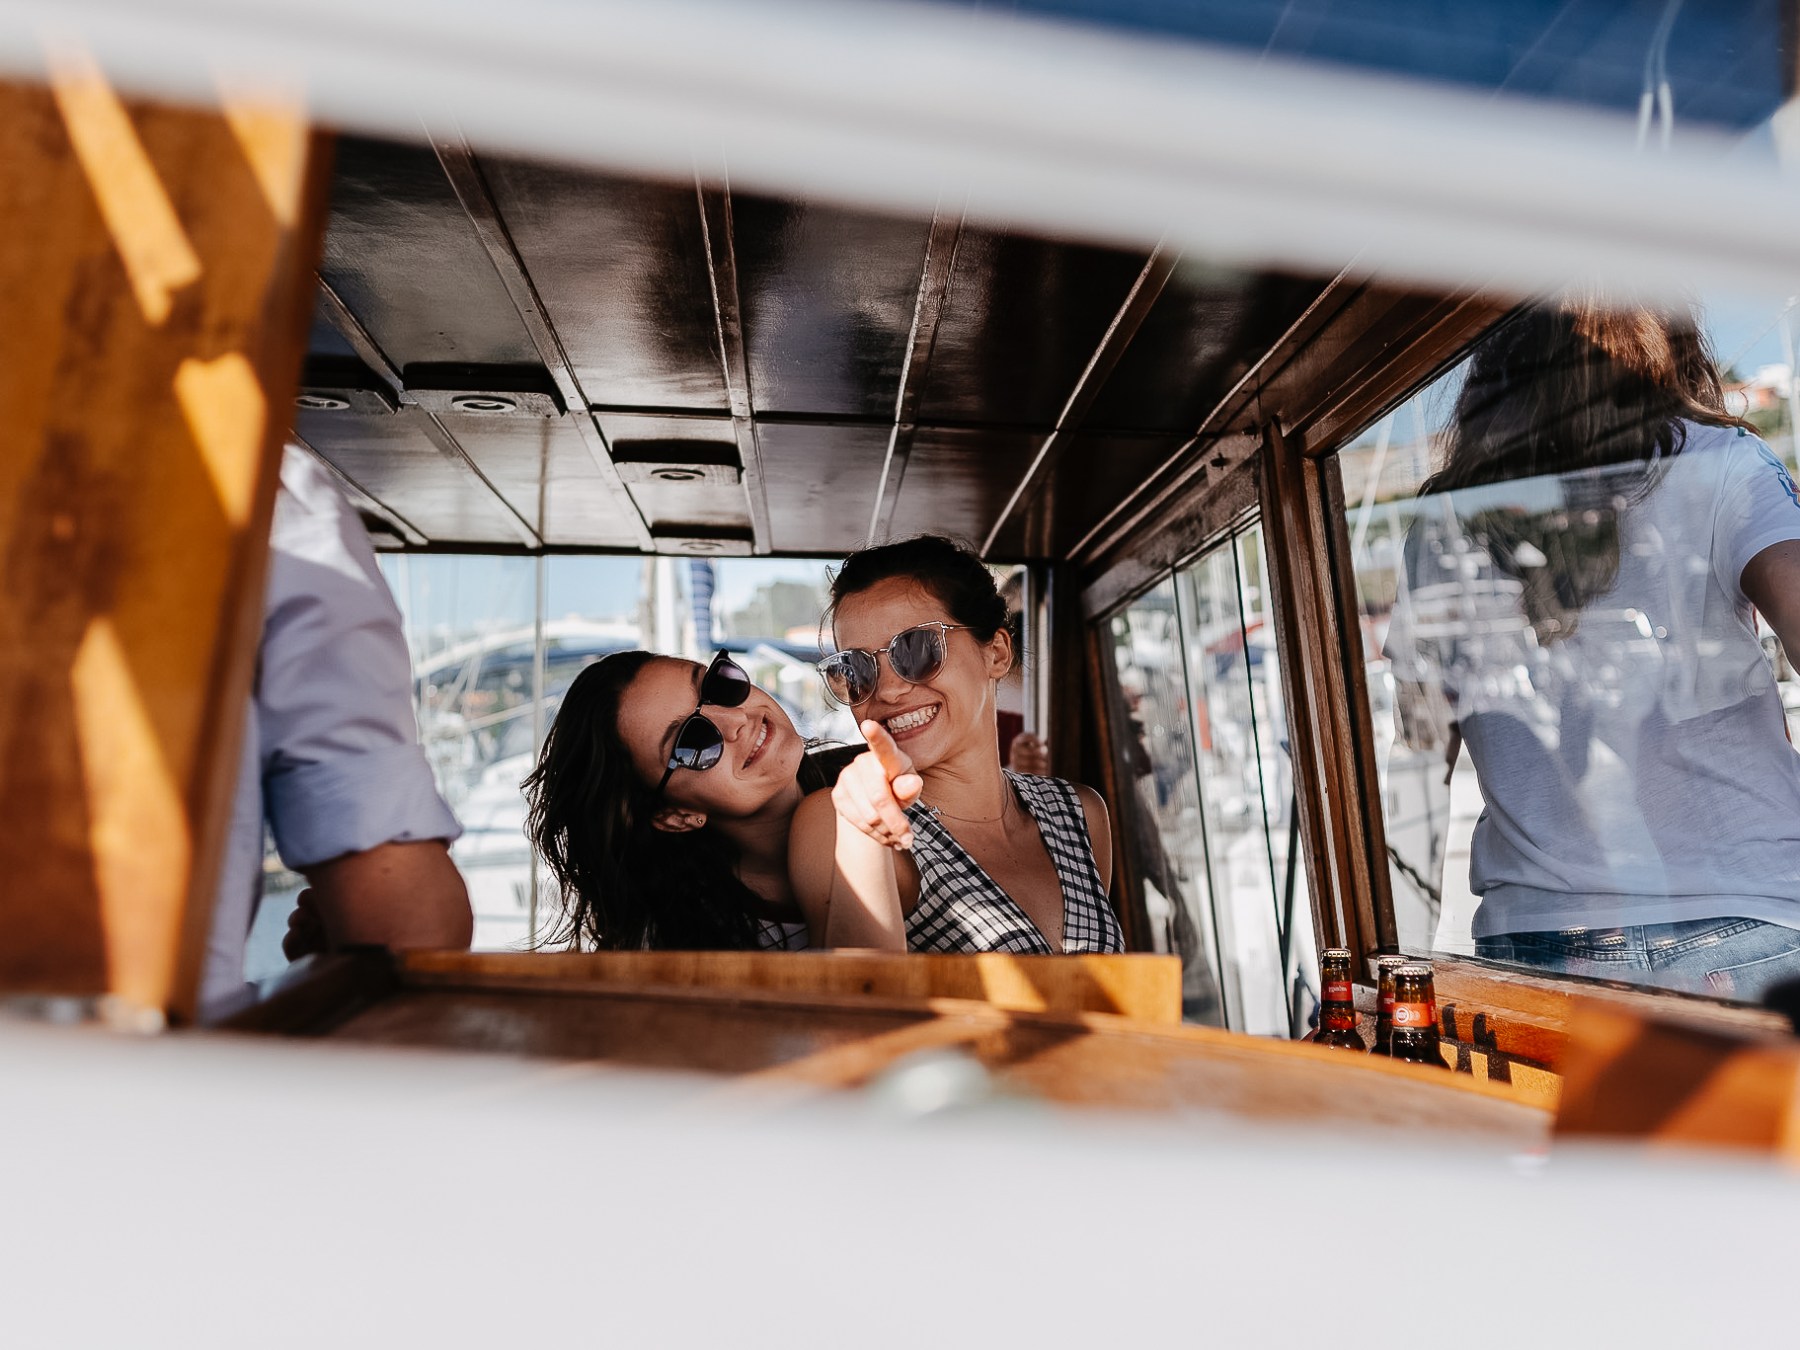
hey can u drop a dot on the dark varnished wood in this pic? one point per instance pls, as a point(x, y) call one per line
point(1305, 615)
point(1146, 287)
point(935, 271)
point(315, 994)
point(405, 262)
point(396, 461)
point(718, 237)
point(471, 187)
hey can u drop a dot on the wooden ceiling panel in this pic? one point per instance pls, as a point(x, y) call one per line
point(958, 479)
point(654, 289)
point(543, 469)
point(393, 460)
point(403, 256)
point(621, 267)
point(1194, 345)
point(821, 480)
point(1022, 319)
point(1096, 470)
point(828, 298)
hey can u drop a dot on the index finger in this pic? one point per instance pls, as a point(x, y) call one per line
point(894, 760)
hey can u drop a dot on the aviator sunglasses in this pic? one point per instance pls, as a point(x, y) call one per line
point(699, 744)
point(914, 654)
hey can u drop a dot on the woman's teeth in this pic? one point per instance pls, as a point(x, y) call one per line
point(912, 720)
point(762, 735)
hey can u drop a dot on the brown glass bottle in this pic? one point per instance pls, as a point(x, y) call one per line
point(1337, 1013)
point(1385, 966)
point(1415, 1035)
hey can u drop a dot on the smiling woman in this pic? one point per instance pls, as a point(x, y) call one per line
point(925, 843)
point(661, 805)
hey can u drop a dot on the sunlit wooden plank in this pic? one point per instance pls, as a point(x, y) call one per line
point(155, 270)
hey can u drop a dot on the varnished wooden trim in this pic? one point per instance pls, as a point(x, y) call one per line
point(935, 272)
point(1312, 679)
point(1186, 530)
point(362, 499)
point(360, 340)
point(1144, 987)
point(758, 1040)
point(316, 994)
point(1546, 1001)
point(1125, 885)
point(1355, 746)
point(1138, 302)
point(718, 239)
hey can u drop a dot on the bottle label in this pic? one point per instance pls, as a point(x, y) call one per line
point(1414, 1016)
point(1338, 991)
point(1387, 1003)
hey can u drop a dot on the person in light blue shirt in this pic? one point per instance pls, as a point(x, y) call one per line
point(330, 754)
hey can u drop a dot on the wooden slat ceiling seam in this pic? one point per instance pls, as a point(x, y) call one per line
point(862, 376)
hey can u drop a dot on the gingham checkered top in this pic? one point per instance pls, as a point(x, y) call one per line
point(961, 909)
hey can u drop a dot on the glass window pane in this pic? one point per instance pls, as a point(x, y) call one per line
point(471, 624)
point(1275, 758)
point(1162, 824)
point(1231, 789)
point(1584, 723)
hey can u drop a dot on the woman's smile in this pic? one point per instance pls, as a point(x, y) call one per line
point(909, 723)
point(756, 748)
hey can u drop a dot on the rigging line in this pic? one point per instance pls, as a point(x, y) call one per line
point(1657, 97)
point(1762, 333)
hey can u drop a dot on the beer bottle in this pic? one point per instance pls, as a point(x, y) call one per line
point(1337, 1015)
point(1415, 1036)
point(1385, 966)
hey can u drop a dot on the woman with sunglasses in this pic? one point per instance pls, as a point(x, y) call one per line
point(661, 804)
point(926, 843)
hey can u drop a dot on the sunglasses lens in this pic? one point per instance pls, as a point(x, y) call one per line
point(917, 653)
point(849, 677)
point(698, 744)
point(725, 684)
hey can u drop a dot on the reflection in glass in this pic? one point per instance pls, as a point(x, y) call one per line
point(1162, 824)
point(1196, 685)
point(1232, 767)
point(1586, 766)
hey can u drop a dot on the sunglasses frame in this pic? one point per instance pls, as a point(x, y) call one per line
point(944, 631)
point(720, 660)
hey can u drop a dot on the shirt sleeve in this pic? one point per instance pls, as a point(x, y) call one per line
point(341, 765)
point(1759, 505)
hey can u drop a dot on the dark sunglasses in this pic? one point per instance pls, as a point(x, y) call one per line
point(699, 744)
point(914, 654)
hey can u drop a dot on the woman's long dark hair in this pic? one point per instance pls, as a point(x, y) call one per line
point(626, 885)
point(1561, 388)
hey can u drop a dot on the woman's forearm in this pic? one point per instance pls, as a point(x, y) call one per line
point(864, 908)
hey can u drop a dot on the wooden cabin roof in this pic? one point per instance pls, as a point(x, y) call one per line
point(682, 363)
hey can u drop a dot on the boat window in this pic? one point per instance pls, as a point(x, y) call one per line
point(1201, 747)
point(1583, 726)
point(477, 625)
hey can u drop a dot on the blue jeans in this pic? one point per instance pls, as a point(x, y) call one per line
point(1737, 959)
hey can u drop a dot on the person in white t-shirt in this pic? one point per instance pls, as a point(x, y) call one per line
point(1581, 589)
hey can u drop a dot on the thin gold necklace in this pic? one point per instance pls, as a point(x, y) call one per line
point(938, 811)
